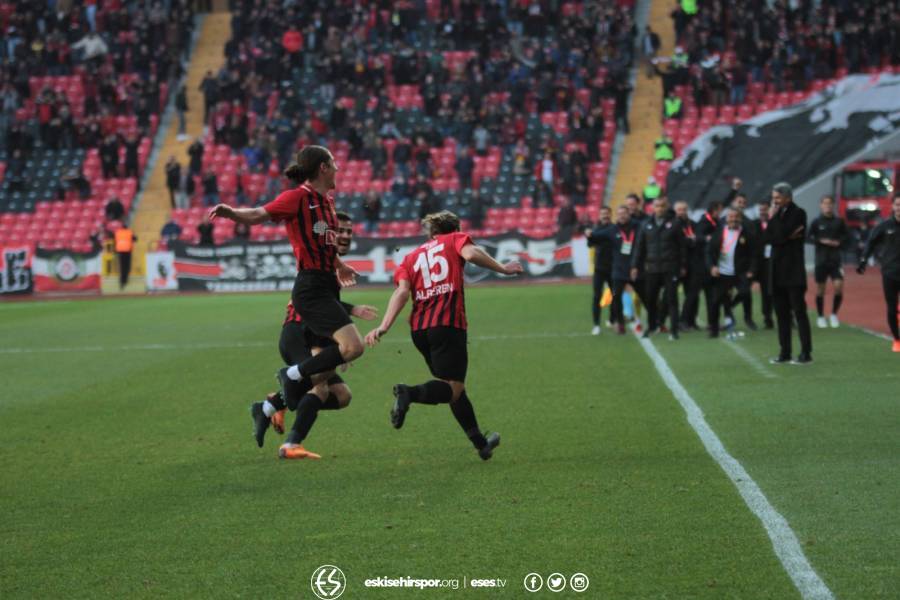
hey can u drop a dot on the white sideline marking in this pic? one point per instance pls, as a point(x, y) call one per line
point(235, 345)
point(750, 359)
point(784, 540)
point(877, 334)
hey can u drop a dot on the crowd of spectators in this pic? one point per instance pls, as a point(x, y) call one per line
point(70, 70)
point(723, 46)
point(352, 73)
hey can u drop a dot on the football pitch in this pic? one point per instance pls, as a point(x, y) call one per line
point(129, 468)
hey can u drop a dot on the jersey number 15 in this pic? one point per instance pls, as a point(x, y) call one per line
point(426, 264)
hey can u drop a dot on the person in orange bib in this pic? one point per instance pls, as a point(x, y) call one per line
point(124, 244)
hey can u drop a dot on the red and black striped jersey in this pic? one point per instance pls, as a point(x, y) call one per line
point(311, 224)
point(435, 274)
point(292, 315)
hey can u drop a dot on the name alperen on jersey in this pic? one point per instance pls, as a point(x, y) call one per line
point(435, 274)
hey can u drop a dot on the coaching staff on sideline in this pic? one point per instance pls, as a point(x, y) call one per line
point(887, 237)
point(786, 233)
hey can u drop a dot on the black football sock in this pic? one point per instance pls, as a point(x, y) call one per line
point(820, 305)
point(838, 299)
point(331, 403)
point(307, 412)
point(296, 392)
point(465, 416)
point(431, 392)
point(327, 360)
point(276, 400)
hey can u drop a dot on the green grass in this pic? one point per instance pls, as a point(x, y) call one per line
point(127, 467)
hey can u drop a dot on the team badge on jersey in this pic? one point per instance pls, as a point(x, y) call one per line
point(321, 228)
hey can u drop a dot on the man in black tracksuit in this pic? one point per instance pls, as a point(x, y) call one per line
point(696, 267)
point(887, 237)
point(661, 254)
point(763, 260)
point(622, 235)
point(603, 264)
point(786, 232)
point(700, 279)
point(731, 260)
point(828, 232)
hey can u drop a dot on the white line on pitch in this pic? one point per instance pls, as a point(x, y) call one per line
point(784, 540)
point(751, 360)
point(238, 345)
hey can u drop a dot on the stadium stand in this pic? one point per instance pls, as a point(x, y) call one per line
point(736, 61)
point(422, 112)
point(82, 96)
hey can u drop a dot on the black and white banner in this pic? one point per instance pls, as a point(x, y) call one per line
point(258, 266)
point(792, 144)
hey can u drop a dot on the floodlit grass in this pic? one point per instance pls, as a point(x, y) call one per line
point(129, 469)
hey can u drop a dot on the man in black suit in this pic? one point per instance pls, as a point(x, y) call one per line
point(786, 233)
point(699, 279)
point(731, 260)
point(661, 255)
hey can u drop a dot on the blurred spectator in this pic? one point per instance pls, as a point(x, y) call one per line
point(652, 191)
point(210, 88)
point(427, 203)
point(90, 47)
point(210, 189)
point(173, 179)
point(205, 229)
point(465, 164)
point(170, 232)
point(542, 195)
point(650, 44)
point(672, 106)
point(622, 91)
point(181, 106)
point(566, 219)
point(195, 151)
point(241, 232)
point(372, 211)
point(109, 157)
point(132, 144)
point(477, 210)
point(114, 210)
point(664, 148)
point(74, 179)
point(15, 172)
point(546, 169)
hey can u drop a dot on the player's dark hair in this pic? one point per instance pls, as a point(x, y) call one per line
point(307, 163)
point(827, 197)
point(764, 202)
point(714, 206)
point(343, 216)
point(440, 223)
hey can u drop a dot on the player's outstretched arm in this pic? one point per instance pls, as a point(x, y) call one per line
point(248, 216)
point(478, 256)
point(395, 305)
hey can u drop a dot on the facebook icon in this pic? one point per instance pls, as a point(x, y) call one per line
point(533, 582)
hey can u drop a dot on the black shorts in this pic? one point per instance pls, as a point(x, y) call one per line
point(823, 272)
point(444, 350)
point(295, 346)
point(316, 299)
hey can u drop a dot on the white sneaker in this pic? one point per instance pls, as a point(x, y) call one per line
point(833, 320)
point(821, 323)
point(595, 330)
